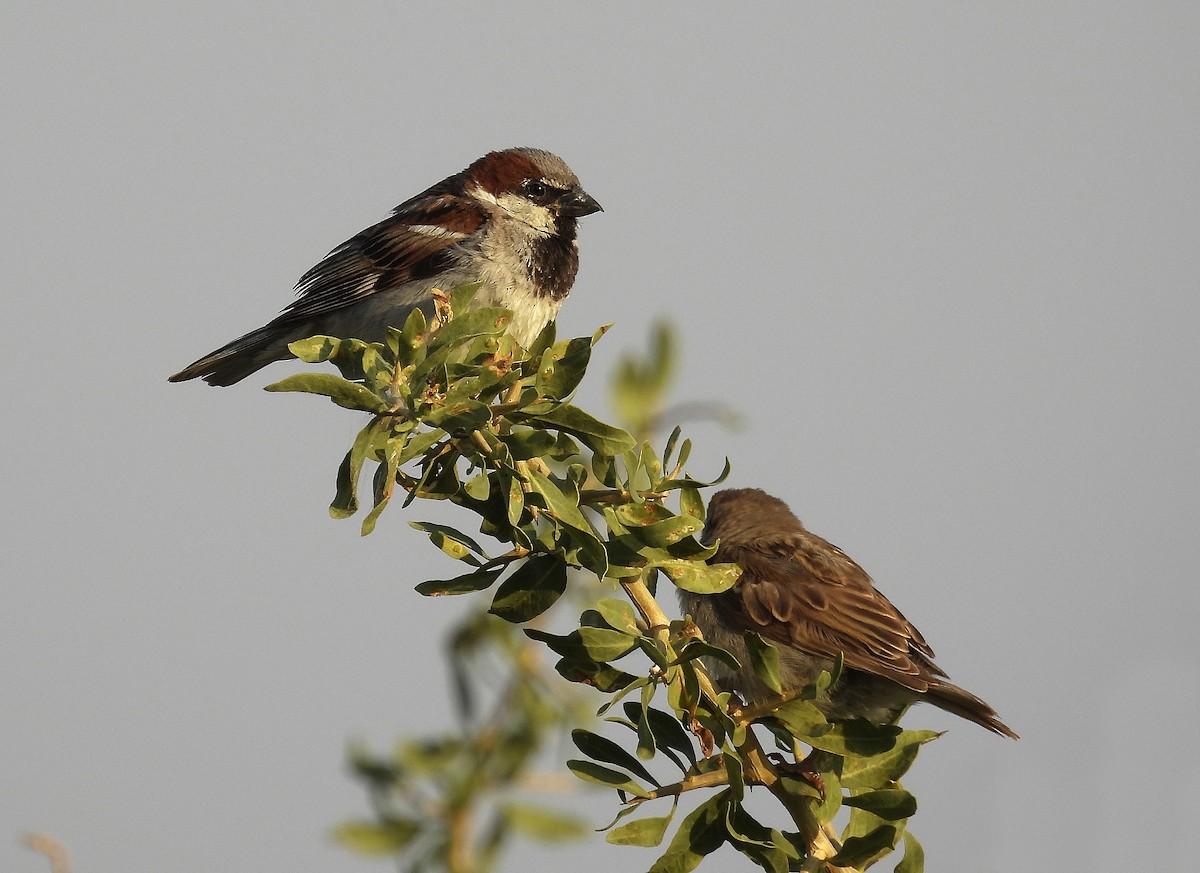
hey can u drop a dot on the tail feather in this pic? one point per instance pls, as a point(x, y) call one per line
point(965, 704)
point(236, 360)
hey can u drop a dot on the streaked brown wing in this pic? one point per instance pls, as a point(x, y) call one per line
point(801, 591)
point(400, 249)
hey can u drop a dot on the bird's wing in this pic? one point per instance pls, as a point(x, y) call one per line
point(418, 241)
point(801, 591)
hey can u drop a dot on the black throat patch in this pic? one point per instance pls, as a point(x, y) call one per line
point(554, 261)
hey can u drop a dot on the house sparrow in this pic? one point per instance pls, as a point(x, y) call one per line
point(807, 598)
point(508, 221)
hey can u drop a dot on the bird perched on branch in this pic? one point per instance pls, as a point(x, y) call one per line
point(806, 597)
point(507, 221)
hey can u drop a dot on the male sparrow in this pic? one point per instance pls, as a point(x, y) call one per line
point(507, 221)
point(805, 596)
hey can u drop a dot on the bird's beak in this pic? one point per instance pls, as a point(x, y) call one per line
point(578, 203)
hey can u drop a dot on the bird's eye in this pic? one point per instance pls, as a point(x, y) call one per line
point(536, 190)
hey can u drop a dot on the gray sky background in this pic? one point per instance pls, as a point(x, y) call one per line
point(943, 257)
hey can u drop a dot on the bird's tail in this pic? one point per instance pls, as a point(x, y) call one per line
point(963, 703)
point(236, 360)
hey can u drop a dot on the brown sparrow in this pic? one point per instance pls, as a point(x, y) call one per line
point(806, 597)
point(507, 221)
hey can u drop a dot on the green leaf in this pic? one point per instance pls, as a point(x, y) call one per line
point(691, 503)
point(603, 644)
point(562, 504)
point(701, 649)
point(864, 851)
point(515, 504)
point(606, 751)
point(668, 733)
point(890, 804)
point(667, 532)
point(525, 443)
point(643, 831)
point(459, 417)
point(350, 395)
point(541, 343)
point(562, 367)
point(914, 856)
point(419, 443)
point(533, 588)
point(345, 501)
point(701, 833)
point(764, 658)
point(453, 542)
point(701, 578)
point(590, 771)
point(847, 738)
point(410, 348)
point(484, 321)
point(617, 614)
point(595, 434)
point(889, 766)
point(802, 718)
point(478, 487)
point(377, 838)
point(385, 484)
point(468, 582)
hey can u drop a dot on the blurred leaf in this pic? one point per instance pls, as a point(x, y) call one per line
point(377, 838)
point(640, 385)
point(533, 588)
point(542, 824)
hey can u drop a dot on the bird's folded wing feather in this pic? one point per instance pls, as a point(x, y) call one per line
point(800, 591)
point(416, 242)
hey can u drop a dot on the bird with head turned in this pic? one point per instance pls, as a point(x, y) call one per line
point(812, 602)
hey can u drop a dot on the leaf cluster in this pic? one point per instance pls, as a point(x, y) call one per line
point(459, 412)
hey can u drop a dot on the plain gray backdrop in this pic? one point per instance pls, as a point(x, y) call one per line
point(942, 257)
